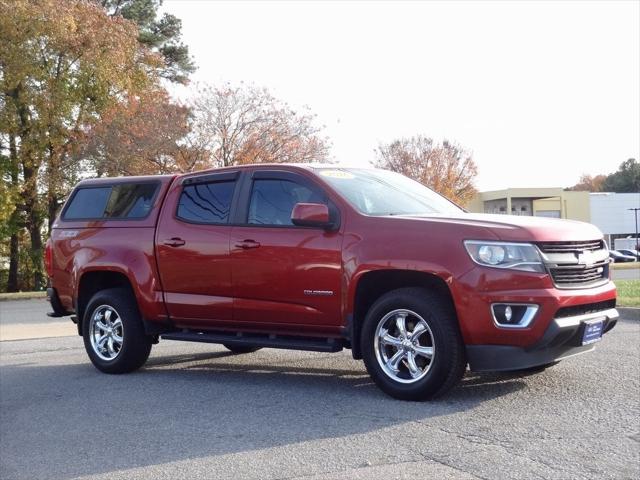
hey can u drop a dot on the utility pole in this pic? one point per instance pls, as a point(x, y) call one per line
point(635, 211)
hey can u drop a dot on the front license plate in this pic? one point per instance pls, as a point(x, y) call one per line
point(592, 332)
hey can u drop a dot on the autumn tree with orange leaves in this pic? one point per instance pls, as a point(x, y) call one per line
point(63, 64)
point(446, 168)
point(589, 183)
point(142, 136)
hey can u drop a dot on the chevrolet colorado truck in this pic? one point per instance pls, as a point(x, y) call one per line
point(321, 258)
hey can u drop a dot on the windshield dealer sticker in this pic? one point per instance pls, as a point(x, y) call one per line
point(336, 174)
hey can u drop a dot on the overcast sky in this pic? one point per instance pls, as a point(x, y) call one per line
point(540, 92)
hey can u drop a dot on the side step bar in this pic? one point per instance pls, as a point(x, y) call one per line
point(256, 340)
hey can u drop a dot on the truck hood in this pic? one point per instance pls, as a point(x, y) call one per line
point(518, 228)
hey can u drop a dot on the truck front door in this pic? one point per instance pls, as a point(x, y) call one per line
point(285, 277)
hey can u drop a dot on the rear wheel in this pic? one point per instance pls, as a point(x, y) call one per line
point(411, 344)
point(113, 333)
point(241, 348)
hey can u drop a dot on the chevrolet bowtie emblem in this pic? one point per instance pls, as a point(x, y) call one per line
point(585, 257)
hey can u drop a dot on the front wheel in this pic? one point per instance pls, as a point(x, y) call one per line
point(411, 344)
point(113, 333)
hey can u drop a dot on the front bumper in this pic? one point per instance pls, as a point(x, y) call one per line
point(561, 339)
point(478, 289)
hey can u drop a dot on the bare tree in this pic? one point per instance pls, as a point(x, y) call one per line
point(245, 124)
point(446, 168)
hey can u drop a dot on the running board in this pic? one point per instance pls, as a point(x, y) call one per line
point(256, 340)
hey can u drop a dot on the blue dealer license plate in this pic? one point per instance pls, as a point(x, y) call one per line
point(592, 332)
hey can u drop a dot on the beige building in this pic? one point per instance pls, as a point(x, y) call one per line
point(539, 202)
point(612, 213)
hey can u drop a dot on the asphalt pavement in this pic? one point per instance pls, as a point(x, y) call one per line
point(197, 411)
point(24, 319)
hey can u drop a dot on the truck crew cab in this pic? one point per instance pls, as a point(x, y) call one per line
point(321, 258)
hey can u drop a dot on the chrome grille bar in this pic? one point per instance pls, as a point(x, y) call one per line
point(565, 247)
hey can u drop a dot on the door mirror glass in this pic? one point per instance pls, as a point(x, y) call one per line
point(311, 215)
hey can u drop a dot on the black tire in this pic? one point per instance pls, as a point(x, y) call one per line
point(241, 348)
point(136, 345)
point(448, 363)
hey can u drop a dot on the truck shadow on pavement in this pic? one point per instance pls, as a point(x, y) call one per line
point(188, 406)
point(487, 385)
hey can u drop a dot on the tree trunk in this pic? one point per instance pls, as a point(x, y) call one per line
point(36, 255)
point(30, 168)
point(14, 222)
point(14, 252)
point(34, 225)
point(52, 211)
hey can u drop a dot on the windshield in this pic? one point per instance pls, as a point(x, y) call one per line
point(381, 192)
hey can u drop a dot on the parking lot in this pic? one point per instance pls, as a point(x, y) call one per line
point(197, 411)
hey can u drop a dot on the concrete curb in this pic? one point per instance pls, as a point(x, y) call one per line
point(6, 297)
point(629, 313)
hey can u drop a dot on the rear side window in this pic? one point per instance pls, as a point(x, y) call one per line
point(122, 201)
point(88, 203)
point(130, 201)
point(206, 202)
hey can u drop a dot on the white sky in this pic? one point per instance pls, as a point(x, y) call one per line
point(539, 92)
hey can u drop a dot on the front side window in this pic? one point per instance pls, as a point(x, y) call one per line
point(206, 202)
point(272, 201)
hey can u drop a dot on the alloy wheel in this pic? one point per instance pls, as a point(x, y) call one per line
point(404, 346)
point(106, 332)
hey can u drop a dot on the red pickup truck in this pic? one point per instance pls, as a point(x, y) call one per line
point(323, 258)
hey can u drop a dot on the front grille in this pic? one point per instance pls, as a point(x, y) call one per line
point(585, 308)
point(568, 247)
point(577, 264)
point(580, 275)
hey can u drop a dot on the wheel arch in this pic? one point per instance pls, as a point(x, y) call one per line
point(93, 281)
point(373, 284)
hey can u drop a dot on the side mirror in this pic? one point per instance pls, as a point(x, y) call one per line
point(311, 215)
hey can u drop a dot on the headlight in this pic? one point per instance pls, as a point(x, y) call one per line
point(514, 256)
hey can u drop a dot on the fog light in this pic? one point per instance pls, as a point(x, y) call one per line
point(513, 315)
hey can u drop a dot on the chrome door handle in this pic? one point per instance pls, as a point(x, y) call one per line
point(174, 242)
point(247, 244)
